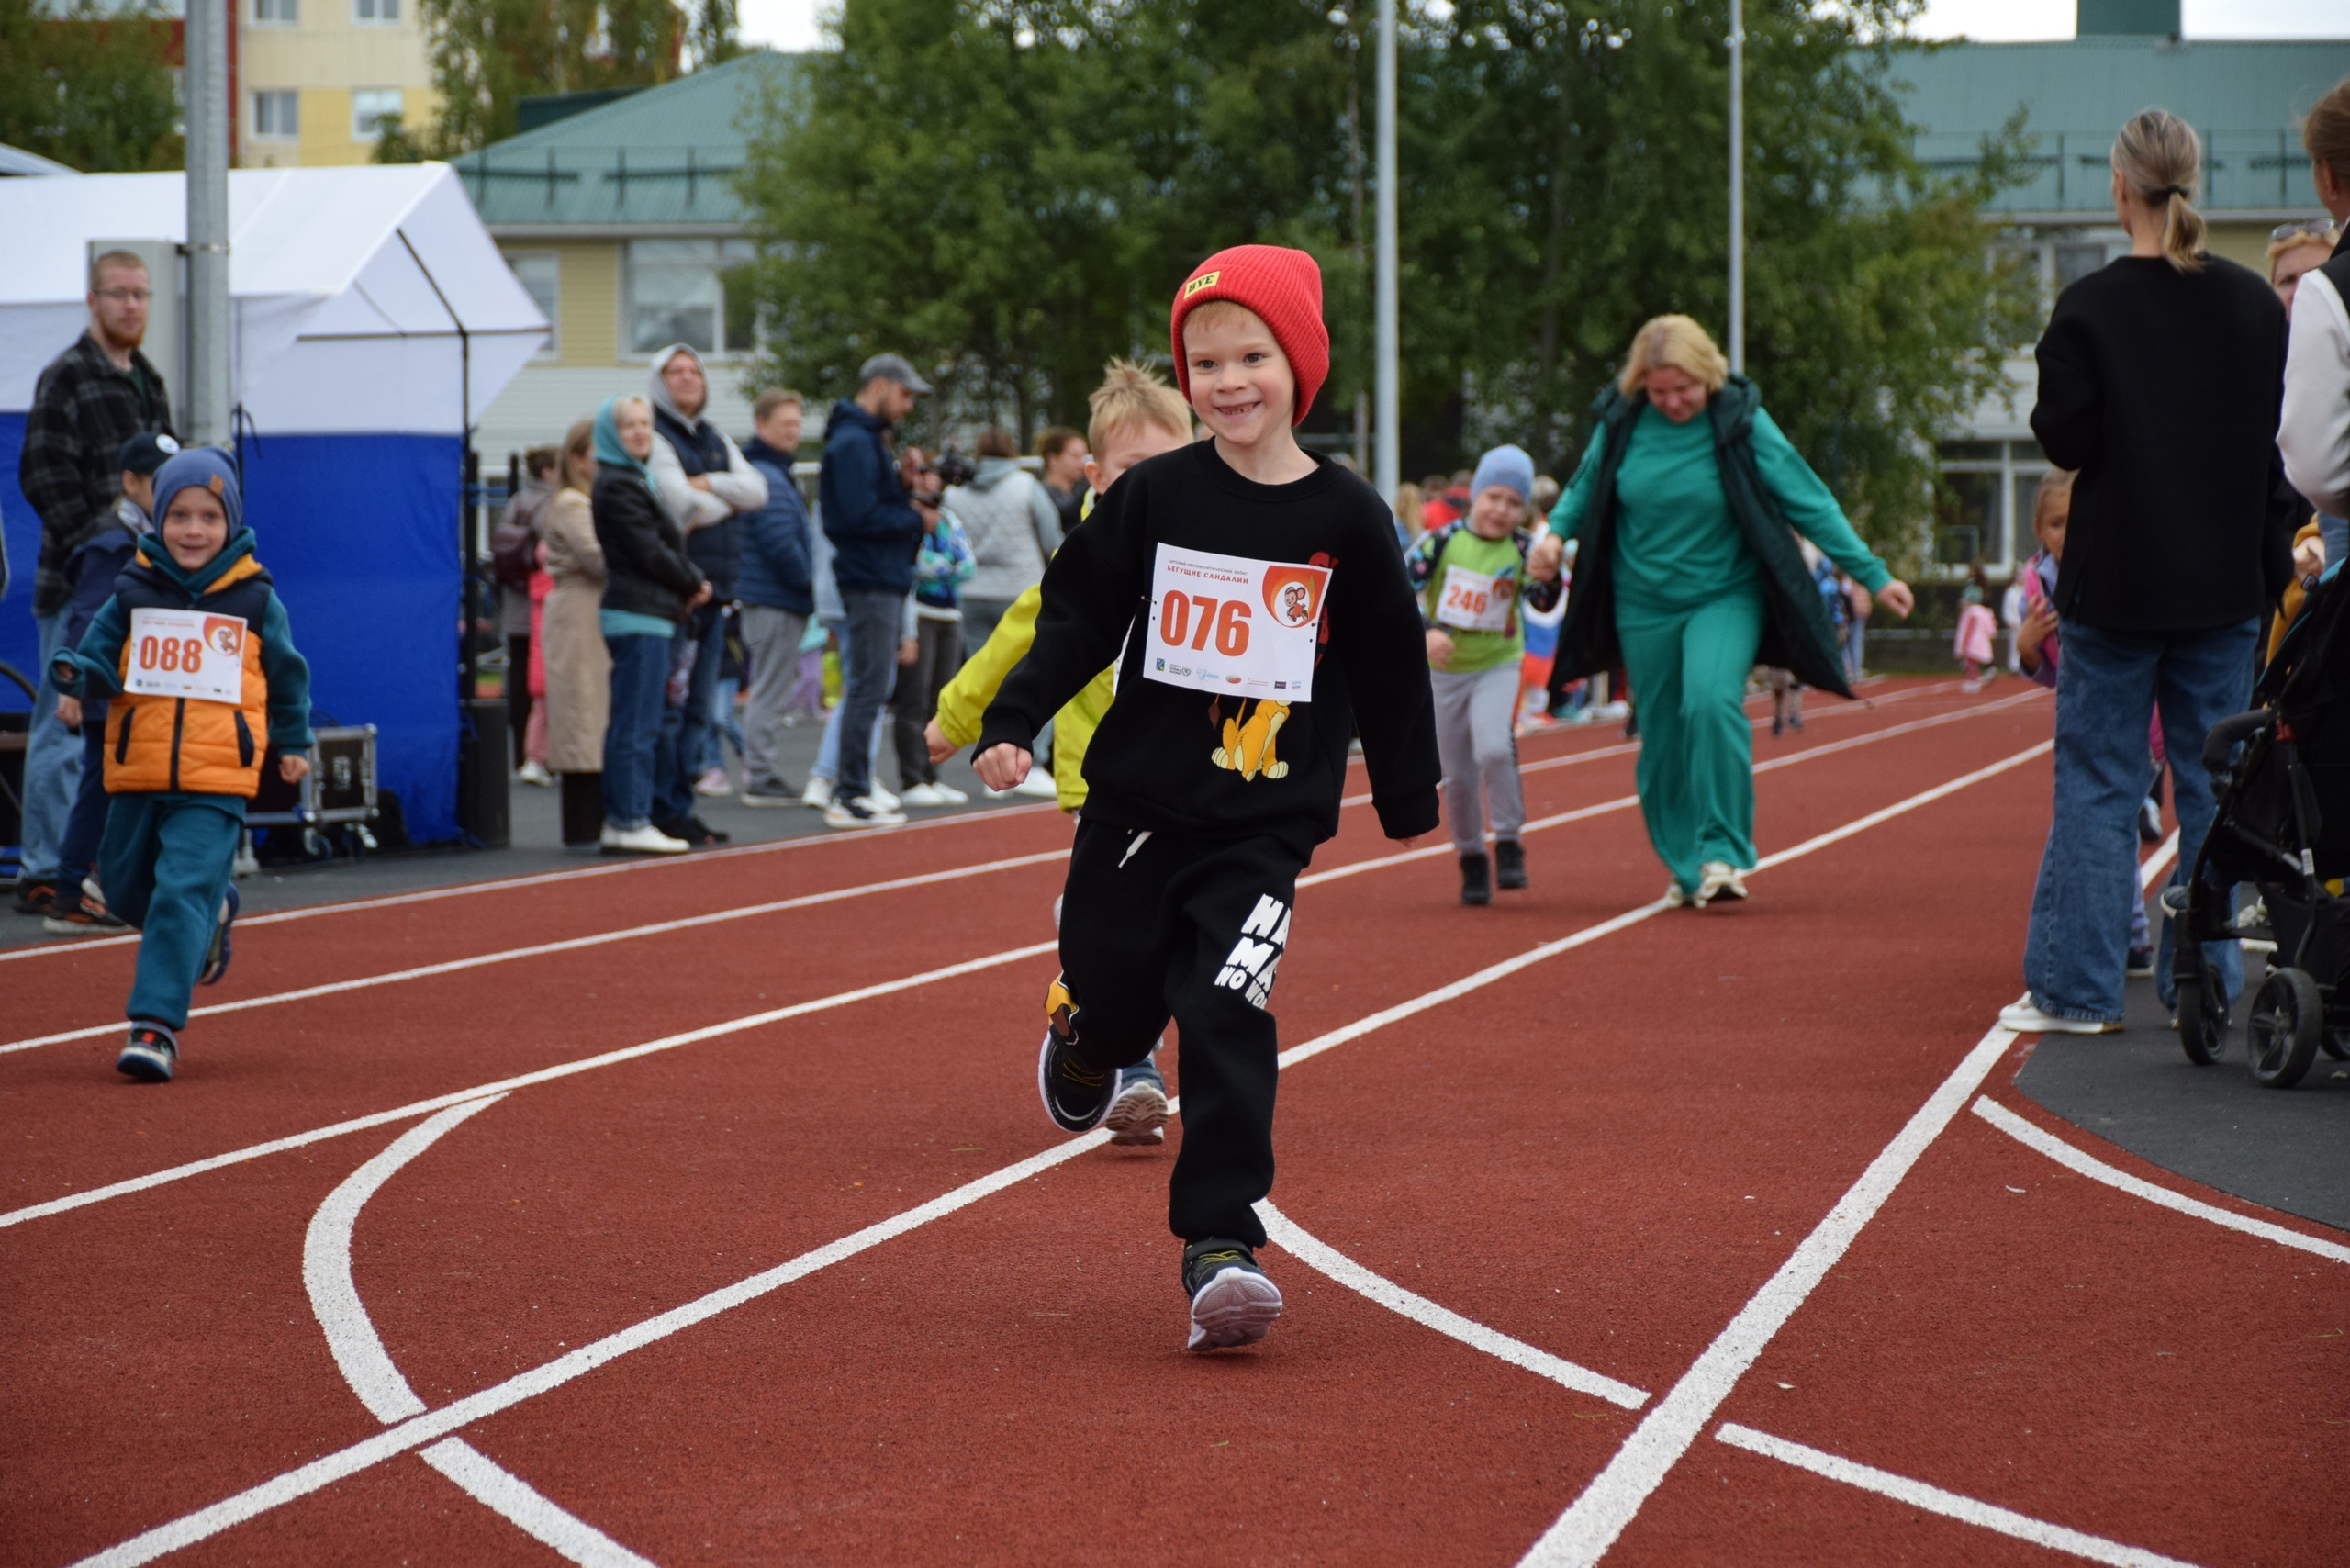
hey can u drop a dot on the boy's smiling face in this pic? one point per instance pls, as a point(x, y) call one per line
point(1242, 387)
point(195, 527)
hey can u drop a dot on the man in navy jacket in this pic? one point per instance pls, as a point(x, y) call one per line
point(875, 531)
point(772, 583)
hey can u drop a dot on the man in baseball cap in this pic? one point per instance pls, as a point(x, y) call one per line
point(894, 367)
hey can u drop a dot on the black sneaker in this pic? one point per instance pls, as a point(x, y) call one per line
point(694, 831)
point(36, 898)
point(1476, 879)
point(149, 1054)
point(2140, 963)
point(1076, 1096)
point(1509, 864)
point(1232, 1301)
point(217, 956)
point(85, 918)
point(771, 792)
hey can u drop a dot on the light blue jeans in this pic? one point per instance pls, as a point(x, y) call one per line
point(2073, 952)
point(53, 764)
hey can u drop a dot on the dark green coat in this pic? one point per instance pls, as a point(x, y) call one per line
point(1796, 632)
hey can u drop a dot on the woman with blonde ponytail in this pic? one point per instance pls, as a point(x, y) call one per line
point(2160, 380)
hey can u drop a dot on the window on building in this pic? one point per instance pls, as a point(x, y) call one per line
point(370, 106)
point(1983, 509)
point(690, 291)
point(276, 13)
point(277, 116)
point(2076, 261)
point(541, 273)
point(376, 12)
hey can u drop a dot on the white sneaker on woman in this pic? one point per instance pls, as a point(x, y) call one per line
point(2025, 1019)
point(818, 793)
point(881, 799)
point(1717, 879)
point(714, 782)
point(1038, 783)
point(535, 772)
point(645, 840)
point(925, 795)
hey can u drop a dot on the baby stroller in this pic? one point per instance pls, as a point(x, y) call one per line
point(2282, 826)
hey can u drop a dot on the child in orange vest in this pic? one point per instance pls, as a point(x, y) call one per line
point(195, 651)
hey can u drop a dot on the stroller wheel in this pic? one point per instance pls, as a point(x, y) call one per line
point(2337, 1044)
point(2202, 1021)
point(2283, 1028)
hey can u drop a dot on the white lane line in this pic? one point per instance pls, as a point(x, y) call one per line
point(437, 1424)
point(569, 945)
point(2096, 1169)
point(1324, 1259)
point(523, 1081)
point(542, 879)
point(1950, 1505)
point(2155, 865)
point(368, 1368)
point(1591, 1523)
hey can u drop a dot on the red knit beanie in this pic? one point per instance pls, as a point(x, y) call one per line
point(1282, 285)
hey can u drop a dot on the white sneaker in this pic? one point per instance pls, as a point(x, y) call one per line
point(950, 796)
point(925, 795)
point(535, 772)
point(646, 840)
point(714, 782)
point(863, 812)
point(1039, 784)
point(1717, 879)
point(2025, 1019)
point(818, 793)
point(880, 800)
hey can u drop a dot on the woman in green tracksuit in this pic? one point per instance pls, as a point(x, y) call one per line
point(1688, 573)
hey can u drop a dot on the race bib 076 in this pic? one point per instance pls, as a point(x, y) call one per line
point(1230, 624)
point(1475, 601)
point(185, 652)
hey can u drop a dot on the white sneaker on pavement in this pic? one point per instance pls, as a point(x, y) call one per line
point(646, 840)
point(535, 772)
point(1039, 784)
point(714, 782)
point(2025, 1019)
point(923, 795)
point(863, 812)
point(818, 793)
point(949, 795)
point(882, 800)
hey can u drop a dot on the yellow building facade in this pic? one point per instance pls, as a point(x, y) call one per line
point(316, 77)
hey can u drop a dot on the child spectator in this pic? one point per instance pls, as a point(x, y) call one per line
point(1135, 416)
point(534, 672)
point(1470, 576)
point(1275, 593)
point(80, 910)
point(1973, 643)
point(943, 563)
point(195, 649)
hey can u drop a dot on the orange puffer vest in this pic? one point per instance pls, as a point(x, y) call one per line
point(188, 744)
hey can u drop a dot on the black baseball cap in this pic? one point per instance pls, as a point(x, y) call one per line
point(146, 452)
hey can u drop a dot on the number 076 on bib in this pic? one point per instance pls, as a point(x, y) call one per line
point(1230, 624)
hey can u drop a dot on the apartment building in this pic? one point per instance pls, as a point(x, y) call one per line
point(316, 79)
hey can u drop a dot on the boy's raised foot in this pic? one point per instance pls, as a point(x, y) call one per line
point(149, 1054)
point(1509, 863)
point(1076, 1097)
point(1232, 1301)
point(217, 956)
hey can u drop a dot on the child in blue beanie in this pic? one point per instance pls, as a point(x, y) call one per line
point(194, 650)
point(1471, 574)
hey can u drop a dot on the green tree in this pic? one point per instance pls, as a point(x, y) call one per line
point(487, 54)
point(89, 85)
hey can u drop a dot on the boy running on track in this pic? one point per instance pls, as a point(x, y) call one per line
point(195, 653)
point(1253, 588)
point(1471, 573)
point(1135, 416)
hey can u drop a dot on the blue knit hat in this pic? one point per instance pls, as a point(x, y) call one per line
point(1510, 465)
point(205, 468)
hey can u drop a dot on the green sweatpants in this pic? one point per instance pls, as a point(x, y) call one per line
point(1688, 670)
point(163, 865)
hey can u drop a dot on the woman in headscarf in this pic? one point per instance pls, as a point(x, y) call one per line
point(1690, 573)
point(649, 588)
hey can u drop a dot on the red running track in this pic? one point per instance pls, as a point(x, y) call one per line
point(1634, 1167)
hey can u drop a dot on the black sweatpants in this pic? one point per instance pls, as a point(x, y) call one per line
point(1153, 924)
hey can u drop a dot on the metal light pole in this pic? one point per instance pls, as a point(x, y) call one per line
point(207, 107)
point(1737, 187)
point(1389, 415)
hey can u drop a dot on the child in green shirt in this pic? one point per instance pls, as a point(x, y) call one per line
point(1471, 574)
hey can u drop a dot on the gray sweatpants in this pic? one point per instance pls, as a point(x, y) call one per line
point(771, 641)
point(1476, 736)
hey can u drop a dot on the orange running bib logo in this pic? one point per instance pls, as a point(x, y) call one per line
point(185, 652)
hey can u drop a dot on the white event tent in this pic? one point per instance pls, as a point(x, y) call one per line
point(373, 320)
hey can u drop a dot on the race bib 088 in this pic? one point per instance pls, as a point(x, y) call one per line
point(1230, 624)
point(185, 652)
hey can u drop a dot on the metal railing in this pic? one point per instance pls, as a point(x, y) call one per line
point(694, 170)
point(2262, 170)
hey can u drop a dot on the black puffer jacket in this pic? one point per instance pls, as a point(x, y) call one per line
point(644, 559)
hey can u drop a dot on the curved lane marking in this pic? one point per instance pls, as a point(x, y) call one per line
point(1319, 1256)
point(2096, 1169)
point(358, 1353)
point(431, 1426)
point(1950, 1505)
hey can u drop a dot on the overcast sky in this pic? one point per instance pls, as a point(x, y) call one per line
point(791, 24)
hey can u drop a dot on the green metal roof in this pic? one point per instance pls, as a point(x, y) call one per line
point(2244, 97)
point(665, 155)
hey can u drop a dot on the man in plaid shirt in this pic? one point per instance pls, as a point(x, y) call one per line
point(91, 398)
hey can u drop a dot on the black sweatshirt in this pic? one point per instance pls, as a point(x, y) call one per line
point(2163, 388)
point(1177, 759)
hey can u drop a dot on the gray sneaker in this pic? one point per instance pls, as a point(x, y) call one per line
point(771, 792)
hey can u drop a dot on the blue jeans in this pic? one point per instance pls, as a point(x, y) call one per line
point(2107, 683)
point(678, 763)
point(53, 764)
point(633, 735)
point(86, 827)
point(868, 673)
